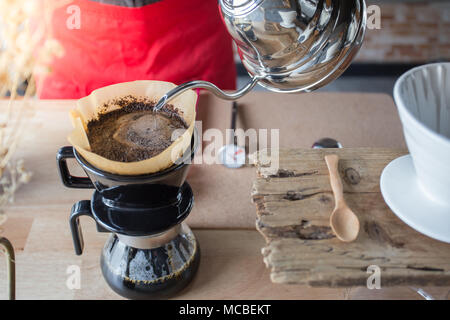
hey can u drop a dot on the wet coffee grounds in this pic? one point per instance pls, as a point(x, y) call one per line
point(134, 132)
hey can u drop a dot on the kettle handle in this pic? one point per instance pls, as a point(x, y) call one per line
point(11, 267)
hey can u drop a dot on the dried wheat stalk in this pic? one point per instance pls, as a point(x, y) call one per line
point(26, 50)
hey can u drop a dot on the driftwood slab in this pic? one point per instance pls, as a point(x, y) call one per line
point(294, 203)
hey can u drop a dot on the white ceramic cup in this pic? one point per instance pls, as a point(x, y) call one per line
point(422, 96)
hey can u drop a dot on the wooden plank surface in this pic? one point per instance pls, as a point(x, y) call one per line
point(294, 203)
point(231, 267)
point(38, 220)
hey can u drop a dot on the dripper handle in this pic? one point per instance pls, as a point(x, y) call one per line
point(68, 180)
point(175, 92)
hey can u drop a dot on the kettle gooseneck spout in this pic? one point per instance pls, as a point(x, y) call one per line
point(199, 84)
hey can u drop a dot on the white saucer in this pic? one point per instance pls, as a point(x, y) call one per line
point(403, 194)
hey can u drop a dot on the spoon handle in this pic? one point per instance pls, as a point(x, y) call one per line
point(332, 161)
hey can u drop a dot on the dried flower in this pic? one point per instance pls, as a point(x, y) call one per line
point(26, 48)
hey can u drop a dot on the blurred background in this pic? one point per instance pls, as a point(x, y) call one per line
point(412, 32)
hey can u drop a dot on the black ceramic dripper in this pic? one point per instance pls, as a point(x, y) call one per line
point(120, 200)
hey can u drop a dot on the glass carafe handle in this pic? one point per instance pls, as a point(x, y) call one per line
point(81, 208)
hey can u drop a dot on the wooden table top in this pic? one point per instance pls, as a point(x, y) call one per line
point(232, 266)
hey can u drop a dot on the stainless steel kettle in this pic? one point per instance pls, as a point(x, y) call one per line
point(289, 45)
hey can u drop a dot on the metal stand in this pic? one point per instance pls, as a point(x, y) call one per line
point(10, 267)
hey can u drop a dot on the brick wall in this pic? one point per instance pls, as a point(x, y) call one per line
point(411, 32)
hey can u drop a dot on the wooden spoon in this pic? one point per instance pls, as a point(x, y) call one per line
point(343, 221)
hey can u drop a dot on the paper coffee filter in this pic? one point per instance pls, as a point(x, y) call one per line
point(102, 101)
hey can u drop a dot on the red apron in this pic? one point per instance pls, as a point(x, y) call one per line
point(170, 40)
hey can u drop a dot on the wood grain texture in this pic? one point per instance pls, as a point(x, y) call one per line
point(294, 203)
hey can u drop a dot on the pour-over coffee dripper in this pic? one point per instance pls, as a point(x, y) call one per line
point(151, 252)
